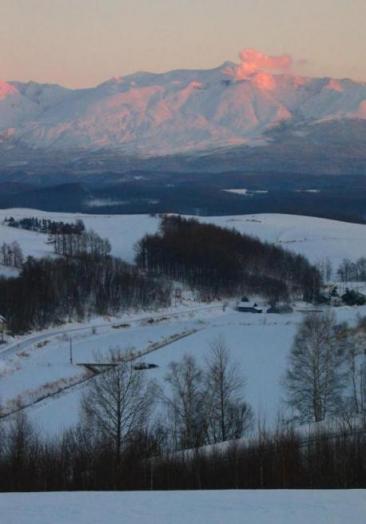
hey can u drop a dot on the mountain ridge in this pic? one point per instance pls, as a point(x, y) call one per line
point(176, 112)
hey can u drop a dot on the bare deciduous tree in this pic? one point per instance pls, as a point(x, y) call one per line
point(206, 406)
point(229, 415)
point(315, 377)
point(117, 405)
point(186, 403)
point(355, 350)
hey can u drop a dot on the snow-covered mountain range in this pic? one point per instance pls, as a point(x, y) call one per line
point(174, 112)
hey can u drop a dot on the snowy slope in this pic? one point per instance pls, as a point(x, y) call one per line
point(21, 103)
point(32, 244)
point(195, 507)
point(260, 344)
point(123, 231)
point(316, 238)
point(183, 110)
point(27, 371)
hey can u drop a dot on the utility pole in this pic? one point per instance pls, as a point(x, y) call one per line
point(70, 348)
point(2, 329)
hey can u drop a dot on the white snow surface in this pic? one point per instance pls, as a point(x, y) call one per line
point(242, 192)
point(195, 507)
point(6, 271)
point(171, 112)
point(259, 346)
point(316, 238)
point(36, 364)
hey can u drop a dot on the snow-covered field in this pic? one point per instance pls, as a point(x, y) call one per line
point(7, 272)
point(123, 231)
point(38, 365)
point(195, 507)
point(34, 366)
point(258, 344)
point(316, 238)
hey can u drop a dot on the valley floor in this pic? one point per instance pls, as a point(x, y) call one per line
point(35, 370)
point(195, 507)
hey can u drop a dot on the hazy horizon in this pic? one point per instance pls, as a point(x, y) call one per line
point(86, 42)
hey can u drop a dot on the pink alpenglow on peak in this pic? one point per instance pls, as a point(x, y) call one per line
point(178, 111)
point(361, 113)
point(334, 85)
point(253, 61)
point(264, 81)
point(6, 90)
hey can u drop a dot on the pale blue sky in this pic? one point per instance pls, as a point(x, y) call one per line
point(84, 42)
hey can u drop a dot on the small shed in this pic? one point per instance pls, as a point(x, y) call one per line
point(247, 307)
point(280, 308)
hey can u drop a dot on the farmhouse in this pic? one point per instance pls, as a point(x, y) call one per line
point(244, 306)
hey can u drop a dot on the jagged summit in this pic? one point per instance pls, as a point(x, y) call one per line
point(177, 111)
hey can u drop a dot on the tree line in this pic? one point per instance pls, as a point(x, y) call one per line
point(220, 262)
point(195, 406)
point(349, 271)
point(118, 425)
point(279, 460)
point(11, 255)
point(326, 375)
point(68, 238)
point(76, 244)
point(194, 431)
point(205, 404)
point(47, 226)
point(51, 291)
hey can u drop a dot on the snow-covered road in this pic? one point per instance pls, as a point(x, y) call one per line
point(23, 343)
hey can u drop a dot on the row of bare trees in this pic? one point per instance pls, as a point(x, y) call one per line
point(136, 434)
point(46, 225)
point(326, 374)
point(280, 459)
point(126, 422)
point(195, 406)
point(11, 255)
point(206, 405)
point(72, 244)
point(352, 271)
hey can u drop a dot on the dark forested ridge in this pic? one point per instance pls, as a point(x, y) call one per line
point(50, 291)
point(45, 225)
point(221, 262)
point(83, 279)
